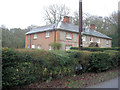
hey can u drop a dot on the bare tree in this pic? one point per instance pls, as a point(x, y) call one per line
point(54, 13)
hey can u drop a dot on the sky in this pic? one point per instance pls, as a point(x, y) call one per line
point(23, 13)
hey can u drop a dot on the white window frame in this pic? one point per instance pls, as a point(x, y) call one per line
point(91, 39)
point(33, 46)
point(69, 36)
point(98, 41)
point(39, 47)
point(107, 42)
point(27, 38)
point(35, 36)
point(66, 47)
point(47, 34)
point(50, 48)
point(84, 38)
point(28, 46)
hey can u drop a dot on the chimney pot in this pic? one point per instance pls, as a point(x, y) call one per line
point(66, 19)
point(92, 26)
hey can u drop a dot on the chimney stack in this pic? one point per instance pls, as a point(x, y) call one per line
point(66, 19)
point(92, 26)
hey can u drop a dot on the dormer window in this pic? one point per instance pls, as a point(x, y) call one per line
point(68, 36)
point(47, 34)
point(35, 36)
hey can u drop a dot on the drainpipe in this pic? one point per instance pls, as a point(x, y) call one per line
point(30, 40)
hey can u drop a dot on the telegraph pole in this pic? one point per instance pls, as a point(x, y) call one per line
point(80, 24)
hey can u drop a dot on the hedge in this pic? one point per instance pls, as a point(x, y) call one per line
point(96, 48)
point(21, 67)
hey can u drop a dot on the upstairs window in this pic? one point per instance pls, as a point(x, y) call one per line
point(35, 36)
point(68, 36)
point(47, 34)
point(27, 38)
point(107, 42)
point(91, 39)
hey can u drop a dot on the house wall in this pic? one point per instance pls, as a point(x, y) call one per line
point(41, 40)
point(75, 38)
point(64, 41)
point(61, 38)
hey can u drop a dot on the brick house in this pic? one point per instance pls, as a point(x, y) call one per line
point(67, 34)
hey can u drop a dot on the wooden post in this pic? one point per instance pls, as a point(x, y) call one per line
point(80, 24)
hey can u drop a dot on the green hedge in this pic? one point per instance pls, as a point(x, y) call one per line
point(96, 48)
point(26, 66)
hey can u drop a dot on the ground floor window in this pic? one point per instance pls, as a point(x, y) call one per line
point(67, 47)
point(98, 41)
point(33, 46)
point(28, 46)
point(39, 46)
point(50, 48)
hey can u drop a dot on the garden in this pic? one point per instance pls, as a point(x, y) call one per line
point(23, 67)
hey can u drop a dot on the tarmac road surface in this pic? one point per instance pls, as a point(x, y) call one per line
point(114, 83)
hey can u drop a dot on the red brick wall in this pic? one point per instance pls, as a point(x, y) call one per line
point(42, 40)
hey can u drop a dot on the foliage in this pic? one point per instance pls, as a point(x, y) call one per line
point(96, 48)
point(13, 38)
point(106, 25)
point(25, 66)
point(54, 13)
point(99, 62)
point(56, 46)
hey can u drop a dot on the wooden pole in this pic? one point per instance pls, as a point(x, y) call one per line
point(80, 24)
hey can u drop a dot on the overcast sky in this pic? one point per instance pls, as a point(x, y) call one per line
point(23, 13)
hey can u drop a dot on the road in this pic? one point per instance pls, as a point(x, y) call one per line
point(107, 84)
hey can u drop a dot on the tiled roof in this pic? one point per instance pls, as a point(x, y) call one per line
point(67, 27)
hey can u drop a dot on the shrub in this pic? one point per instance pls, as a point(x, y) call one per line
point(26, 66)
point(56, 46)
point(82, 56)
point(96, 48)
point(99, 62)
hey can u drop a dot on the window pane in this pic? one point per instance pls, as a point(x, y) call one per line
point(33, 46)
point(35, 36)
point(39, 46)
point(68, 47)
point(50, 48)
point(47, 34)
point(69, 36)
point(28, 46)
